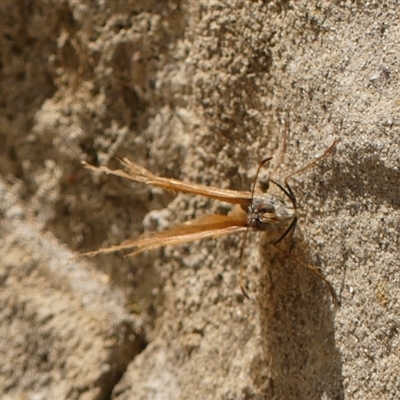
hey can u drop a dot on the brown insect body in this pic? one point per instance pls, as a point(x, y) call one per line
point(256, 212)
point(262, 211)
point(268, 210)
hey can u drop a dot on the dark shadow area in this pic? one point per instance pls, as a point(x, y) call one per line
point(120, 358)
point(26, 78)
point(296, 316)
point(365, 177)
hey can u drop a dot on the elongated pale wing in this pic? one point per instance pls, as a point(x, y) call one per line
point(136, 172)
point(206, 226)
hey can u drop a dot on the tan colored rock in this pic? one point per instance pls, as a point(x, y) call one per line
point(196, 90)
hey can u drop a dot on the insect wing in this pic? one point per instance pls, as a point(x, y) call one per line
point(206, 226)
point(136, 172)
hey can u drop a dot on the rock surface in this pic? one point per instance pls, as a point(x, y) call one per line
point(197, 90)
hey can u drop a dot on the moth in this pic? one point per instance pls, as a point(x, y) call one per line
point(252, 212)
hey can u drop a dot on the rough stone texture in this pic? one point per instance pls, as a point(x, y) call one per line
point(197, 90)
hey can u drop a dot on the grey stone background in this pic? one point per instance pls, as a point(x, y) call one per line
point(196, 90)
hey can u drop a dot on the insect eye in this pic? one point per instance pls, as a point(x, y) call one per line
point(266, 208)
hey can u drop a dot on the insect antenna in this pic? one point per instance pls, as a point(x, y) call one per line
point(298, 171)
point(289, 192)
point(286, 188)
point(241, 280)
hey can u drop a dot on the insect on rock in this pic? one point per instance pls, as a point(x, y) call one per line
point(252, 211)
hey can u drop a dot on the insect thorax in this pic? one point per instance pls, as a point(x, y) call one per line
point(267, 210)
